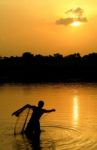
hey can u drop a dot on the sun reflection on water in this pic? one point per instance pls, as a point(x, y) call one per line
point(75, 110)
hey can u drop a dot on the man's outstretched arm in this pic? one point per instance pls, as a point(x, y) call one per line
point(19, 111)
point(49, 110)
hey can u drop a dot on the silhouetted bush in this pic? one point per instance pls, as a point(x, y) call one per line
point(57, 68)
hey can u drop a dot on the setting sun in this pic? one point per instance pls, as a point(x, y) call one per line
point(75, 23)
point(25, 27)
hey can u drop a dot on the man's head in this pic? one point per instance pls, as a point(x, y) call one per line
point(40, 103)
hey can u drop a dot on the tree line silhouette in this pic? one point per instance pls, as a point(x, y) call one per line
point(30, 68)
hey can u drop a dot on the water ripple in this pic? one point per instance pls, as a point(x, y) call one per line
point(66, 138)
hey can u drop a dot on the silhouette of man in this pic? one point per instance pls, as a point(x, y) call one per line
point(33, 126)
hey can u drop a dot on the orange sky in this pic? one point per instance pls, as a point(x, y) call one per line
point(42, 27)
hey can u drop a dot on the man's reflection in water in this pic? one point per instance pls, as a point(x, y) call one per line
point(34, 141)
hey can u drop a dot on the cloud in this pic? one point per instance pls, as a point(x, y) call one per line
point(64, 21)
point(77, 12)
point(77, 16)
point(67, 21)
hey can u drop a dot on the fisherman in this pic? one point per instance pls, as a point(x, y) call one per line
point(33, 126)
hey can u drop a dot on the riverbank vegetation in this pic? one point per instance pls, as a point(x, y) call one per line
point(30, 68)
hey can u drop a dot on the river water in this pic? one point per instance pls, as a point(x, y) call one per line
point(73, 126)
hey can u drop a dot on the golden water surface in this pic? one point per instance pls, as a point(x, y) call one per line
point(72, 127)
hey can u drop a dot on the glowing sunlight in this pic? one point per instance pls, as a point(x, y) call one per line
point(75, 110)
point(76, 23)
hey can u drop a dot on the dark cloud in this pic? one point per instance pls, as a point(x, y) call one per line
point(77, 16)
point(82, 19)
point(67, 21)
point(64, 21)
point(77, 12)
